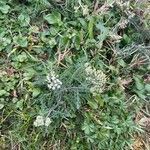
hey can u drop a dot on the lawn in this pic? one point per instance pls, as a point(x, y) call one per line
point(74, 75)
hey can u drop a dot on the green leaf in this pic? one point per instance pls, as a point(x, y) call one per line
point(35, 92)
point(78, 101)
point(110, 2)
point(22, 57)
point(103, 32)
point(99, 100)
point(77, 41)
point(147, 87)
point(20, 104)
point(93, 104)
point(141, 95)
point(53, 18)
point(122, 62)
point(54, 30)
point(1, 106)
point(126, 38)
point(4, 9)
point(90, 28)
point(83, 23)
point(88, 128)
point(21, 41)
point(138, 83)
point(24, 19)
point(29, 73)
point(3, 92)
point(4, 42)
point(52, 42)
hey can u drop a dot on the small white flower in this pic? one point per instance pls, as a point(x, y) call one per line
point(39, 121)
point(53, 88)
point(58, 86)
point(53, 78)
point(49, 86)
point(53, 81)
point(47, 121)
point(39, 117)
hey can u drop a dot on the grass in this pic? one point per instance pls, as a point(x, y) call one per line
point(74, 75)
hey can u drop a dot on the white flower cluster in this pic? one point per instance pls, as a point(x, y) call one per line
point(96, 78)
point(41, 121)
point(53, 81)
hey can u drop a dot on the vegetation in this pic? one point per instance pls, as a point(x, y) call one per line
point(74, 75)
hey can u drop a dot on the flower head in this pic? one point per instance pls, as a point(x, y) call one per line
point(39, 121)
point(47, 121)
point(96, 78)
point(53, 81)
point(42, 121)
